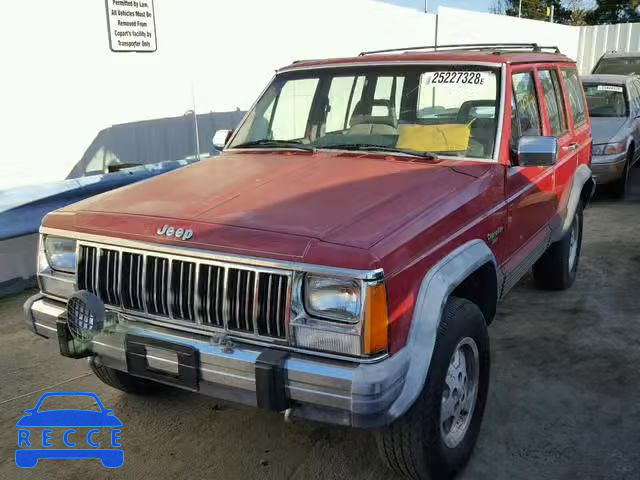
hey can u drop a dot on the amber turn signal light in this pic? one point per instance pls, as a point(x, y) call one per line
point(376, 324)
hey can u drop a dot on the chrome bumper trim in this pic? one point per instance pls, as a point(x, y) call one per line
point(610, 170)
point(333, 391)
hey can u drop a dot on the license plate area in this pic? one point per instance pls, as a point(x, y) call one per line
point(166, 362)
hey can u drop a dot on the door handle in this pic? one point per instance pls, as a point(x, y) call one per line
point(571, 146)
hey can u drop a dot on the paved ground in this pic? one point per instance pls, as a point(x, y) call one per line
point(564, 399)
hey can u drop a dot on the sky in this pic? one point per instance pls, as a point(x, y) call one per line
point(478, 5)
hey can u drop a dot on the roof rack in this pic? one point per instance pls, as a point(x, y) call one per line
point(532, 47)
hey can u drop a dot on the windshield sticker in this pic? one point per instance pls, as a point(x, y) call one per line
point(455, 78)
point(610, 88)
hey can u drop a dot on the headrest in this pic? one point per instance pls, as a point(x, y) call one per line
point(361, 116)
point(464, 114)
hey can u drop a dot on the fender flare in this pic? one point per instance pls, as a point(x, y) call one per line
point(581, 178)
point(435, 289)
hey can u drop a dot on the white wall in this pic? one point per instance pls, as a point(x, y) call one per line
point(594, 41)
point(61, 84)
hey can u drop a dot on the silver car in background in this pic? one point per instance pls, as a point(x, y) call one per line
point(614, 107)
point(618, 63)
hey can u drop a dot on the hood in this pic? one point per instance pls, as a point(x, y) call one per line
point(604, 129)
point(350, 199)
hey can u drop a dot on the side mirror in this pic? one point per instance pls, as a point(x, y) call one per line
point(221, 138)
point(537, 151)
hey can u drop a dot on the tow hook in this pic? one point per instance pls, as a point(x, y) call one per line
point(288, 415)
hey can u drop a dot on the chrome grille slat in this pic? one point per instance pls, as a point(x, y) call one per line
point(278, 303)
point(268, 306)
point(255, 305)
point(219, 303)
point(247, 294)
point(238, 301)
point(130, 279)
point(96, 284)
point(197, 300)
point(142, 263)
point(155, 284)
point(169, 292)
point(207, 294)
point(225, 303)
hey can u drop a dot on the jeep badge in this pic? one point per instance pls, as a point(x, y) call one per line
point(179, 233)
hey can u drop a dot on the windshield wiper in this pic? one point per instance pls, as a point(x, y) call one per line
point(276, 143)
point(379, 148)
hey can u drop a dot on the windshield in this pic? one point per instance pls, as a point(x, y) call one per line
point(606, 100)
point(447, 110)
point(618, 65)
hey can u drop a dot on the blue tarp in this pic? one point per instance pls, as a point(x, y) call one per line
point(22, 209)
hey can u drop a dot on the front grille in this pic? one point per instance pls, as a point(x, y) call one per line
point(230, 297)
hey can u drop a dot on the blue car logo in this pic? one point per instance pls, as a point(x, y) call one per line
point(32, 447)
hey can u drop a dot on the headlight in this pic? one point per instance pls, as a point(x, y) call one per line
point(609, 148)
point(339, 315)
point(612, 148)
point(333, 298)
point(60, 253)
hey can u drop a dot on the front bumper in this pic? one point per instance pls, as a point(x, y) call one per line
point(608, 168)
point(322, 389)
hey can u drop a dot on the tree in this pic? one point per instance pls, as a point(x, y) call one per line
point(614, 11)
point(537, 9)
point(579, 17)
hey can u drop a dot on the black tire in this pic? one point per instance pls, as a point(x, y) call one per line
point(123, 381)
point(554, 270)
point(414, 445)
point(619, 187)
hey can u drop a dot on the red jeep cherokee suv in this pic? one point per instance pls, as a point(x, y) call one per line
point(341, 260)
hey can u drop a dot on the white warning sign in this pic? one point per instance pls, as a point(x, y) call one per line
point(132, 25)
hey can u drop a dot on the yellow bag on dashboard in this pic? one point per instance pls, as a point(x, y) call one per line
point(449, 137)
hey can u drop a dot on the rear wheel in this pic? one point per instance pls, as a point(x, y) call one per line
point(557, 268)
point(123, 381)
point(435, 438)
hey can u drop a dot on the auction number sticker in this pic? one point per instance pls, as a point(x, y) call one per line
point(610, 88)
point(456, 77)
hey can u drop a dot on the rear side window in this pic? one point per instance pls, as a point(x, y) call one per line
point(576, 98)
point(526, 102)
point(554, 101)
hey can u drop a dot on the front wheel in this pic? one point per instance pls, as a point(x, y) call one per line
point(435, 438)
point(557, 268)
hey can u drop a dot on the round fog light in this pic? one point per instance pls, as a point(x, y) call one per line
point(85, 315)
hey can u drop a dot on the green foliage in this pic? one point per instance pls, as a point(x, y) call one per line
point(614, 11)
point(572, 12)
point(538, 10)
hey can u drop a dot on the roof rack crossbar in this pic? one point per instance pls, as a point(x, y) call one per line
point(533, 47)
